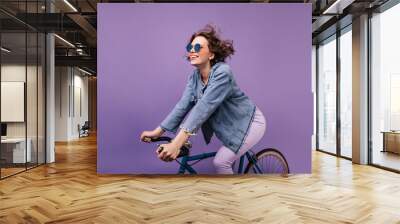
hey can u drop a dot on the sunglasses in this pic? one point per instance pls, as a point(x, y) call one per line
point(196, 47)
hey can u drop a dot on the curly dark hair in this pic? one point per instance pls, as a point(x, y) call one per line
point(221, 48)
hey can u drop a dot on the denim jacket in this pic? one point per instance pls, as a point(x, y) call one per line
point(218, 107)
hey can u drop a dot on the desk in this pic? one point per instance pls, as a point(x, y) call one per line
point(391, 141)
point(13, 150)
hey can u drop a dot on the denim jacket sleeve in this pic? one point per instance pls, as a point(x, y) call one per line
point(219, 87)
point(178, 113)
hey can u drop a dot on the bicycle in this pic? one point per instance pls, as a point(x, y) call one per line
point(257, 164)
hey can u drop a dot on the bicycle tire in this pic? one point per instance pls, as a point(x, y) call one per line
point(280, 162)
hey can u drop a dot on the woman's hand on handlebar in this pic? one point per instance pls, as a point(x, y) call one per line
point(151, 134)
point(168, 152)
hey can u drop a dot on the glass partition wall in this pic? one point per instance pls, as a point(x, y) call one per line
point(22, 88)
point(334, 94)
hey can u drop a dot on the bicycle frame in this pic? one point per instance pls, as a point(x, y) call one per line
point(185, 159)
point(185, 166)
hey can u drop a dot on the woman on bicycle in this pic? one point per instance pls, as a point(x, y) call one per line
point(216, 105)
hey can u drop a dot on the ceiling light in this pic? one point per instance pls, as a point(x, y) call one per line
point(5, 50)
point(70, 5)
point(84, 71)
point(64, 40)
point(338, 6)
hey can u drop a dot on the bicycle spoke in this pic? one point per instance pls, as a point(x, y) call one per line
point(278, 165)
point(270, 166)
point(277, 162)
point(264, 165)
point(275, 165)
point(282, 167)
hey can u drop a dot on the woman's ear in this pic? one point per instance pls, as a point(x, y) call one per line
point(211, 57)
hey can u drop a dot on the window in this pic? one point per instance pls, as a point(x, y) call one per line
point(327, 95)
point(385, 88)
point(346, 93)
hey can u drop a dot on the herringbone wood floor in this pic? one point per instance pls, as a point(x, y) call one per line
point(70, 191)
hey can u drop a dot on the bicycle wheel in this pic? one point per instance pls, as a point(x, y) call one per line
point(269, 161)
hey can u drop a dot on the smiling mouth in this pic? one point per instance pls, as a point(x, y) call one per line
point(193, 57)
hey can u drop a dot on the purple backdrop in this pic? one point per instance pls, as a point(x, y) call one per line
point(142, 73)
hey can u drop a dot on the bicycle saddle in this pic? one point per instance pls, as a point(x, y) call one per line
point(184, 150)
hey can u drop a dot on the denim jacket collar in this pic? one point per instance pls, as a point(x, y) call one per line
point(198, 75)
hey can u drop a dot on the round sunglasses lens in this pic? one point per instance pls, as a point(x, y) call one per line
point(197, 47)
point(188, 47)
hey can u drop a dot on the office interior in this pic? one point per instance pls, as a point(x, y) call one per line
point(49, 74)
point(33, 64)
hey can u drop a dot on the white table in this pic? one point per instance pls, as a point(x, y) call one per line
point(19, 155)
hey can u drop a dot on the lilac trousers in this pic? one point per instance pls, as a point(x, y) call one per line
point(225, 157)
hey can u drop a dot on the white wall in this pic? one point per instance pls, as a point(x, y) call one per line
point(62, 80)
point(81, 103)
point(71, 93)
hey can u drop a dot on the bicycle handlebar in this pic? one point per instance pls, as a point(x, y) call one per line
point(159, 139)
point(184, 150)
